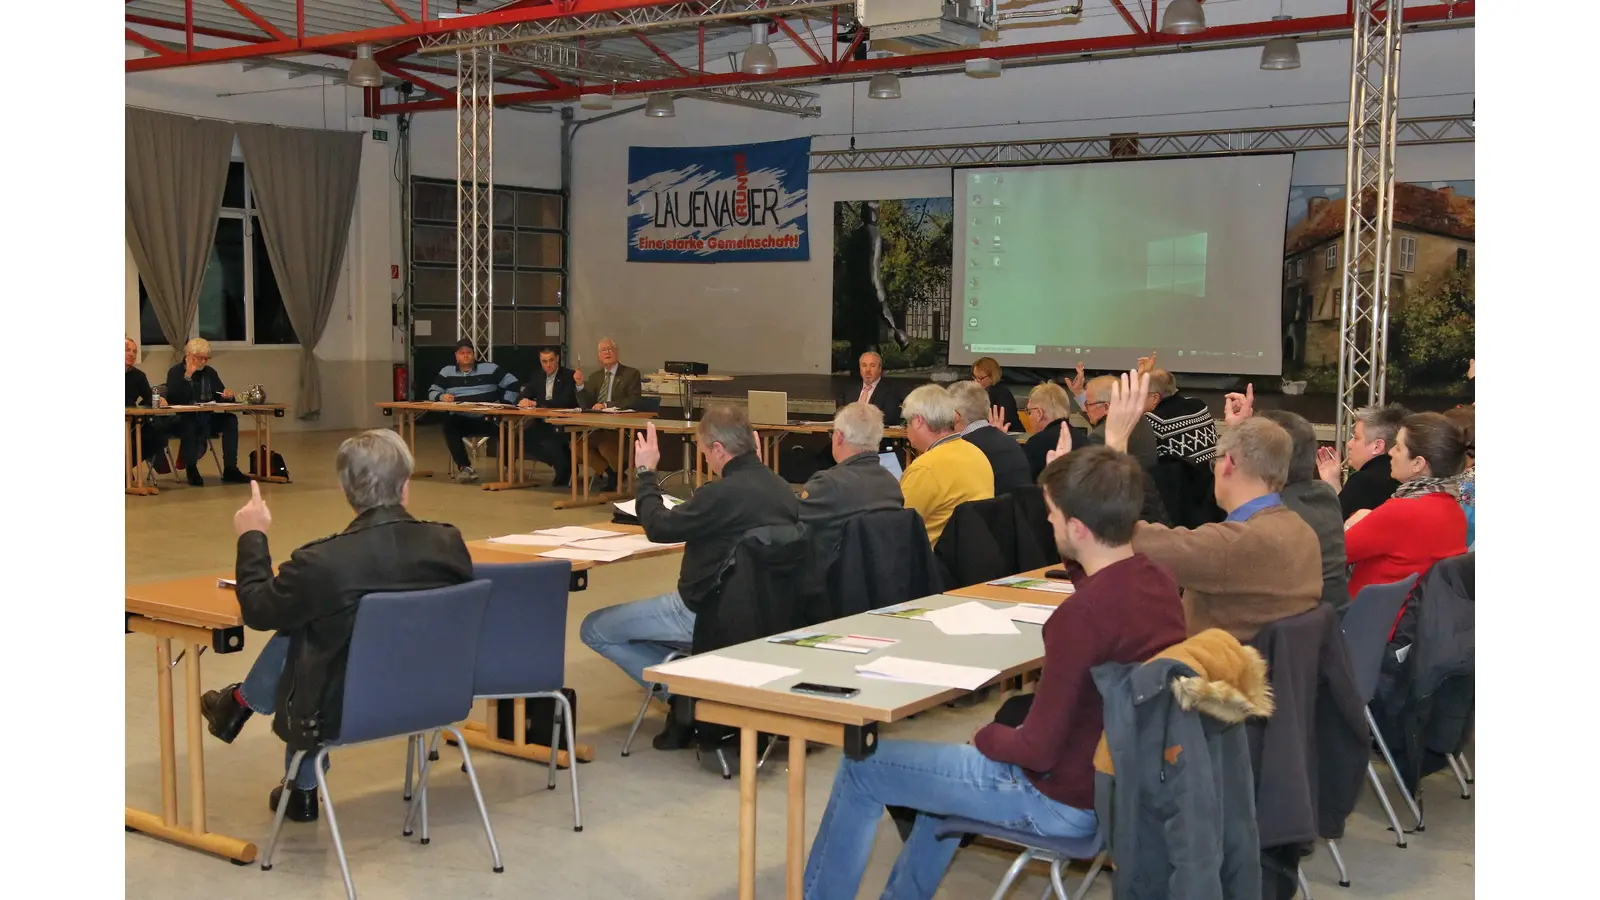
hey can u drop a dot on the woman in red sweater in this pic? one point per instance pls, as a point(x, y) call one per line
point(1424, 522)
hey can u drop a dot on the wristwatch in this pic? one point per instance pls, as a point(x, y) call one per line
point(640, 470)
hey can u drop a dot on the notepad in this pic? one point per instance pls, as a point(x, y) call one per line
point(1049, 585)
point(631, 508)
point(576, 532)
point(711, 667)
point(1030, 612)
point(971, 617)
point(844, 643)
point(916, 671)
point(586, 555)
point(903, 611)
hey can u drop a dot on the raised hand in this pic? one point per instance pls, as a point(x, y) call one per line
point(1126, 409)
point(1063, 445)
point(577, 377)
point(997, 418)
point(254, 515)
point(1472, 368)
point(1147, 363)
point(1238, 407)
point(646, 452)
point(1328, 466)
point(1076, 383)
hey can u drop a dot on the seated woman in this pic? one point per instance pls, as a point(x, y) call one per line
point(1424, 522)
point(1463, 416)
point(986, 372)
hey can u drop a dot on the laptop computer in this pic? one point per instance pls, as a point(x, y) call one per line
point(768, 408)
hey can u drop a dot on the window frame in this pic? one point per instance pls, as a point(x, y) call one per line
point(1330, 257)
point(1402, 242)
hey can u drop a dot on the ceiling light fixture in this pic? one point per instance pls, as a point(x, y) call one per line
point(983, 67)
point(660, 106)
point(884, 86)
point(758, 57)
point(1183, 17)
point(364, 71)
point(1280, 53)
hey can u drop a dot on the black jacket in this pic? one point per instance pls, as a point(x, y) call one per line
point(1311, 756)
point(884, 558)
point(886, 396)
point(1188, 492)
point(1006, 458)
point(204, 387)
point(748, 495)
point(766, 586)
point(136, 388)
point(313, 599)
point(1317, 503)
point(1038, 446)
point(845, 491)
point(983, 541)
point(1001, 396)
point(564, 395)
point(1369, 487)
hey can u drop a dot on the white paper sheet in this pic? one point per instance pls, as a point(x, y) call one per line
point(590, 555)
point(1030, 613)
point(530, 540)
point(898, 668)
point(230, 583)
point(633, 543)
point(630, 507)
point(971, 617)
point(576, 532)
point(712, 667)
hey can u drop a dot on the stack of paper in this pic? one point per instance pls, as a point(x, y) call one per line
point(1030, 612)
point(529, 540)
point(1051, 585)
point(711, 667)
point(586, 555)
point(576, 532)
point(971, 617)
point(895, 668)
point(630, 507)
point(632, 543)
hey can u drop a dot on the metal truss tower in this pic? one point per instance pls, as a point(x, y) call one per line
point(475, 198)
point(1369, 208)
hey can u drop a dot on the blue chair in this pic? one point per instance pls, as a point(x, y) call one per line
point(409, 672)
point(522, 653)
point(1056, 851)
point(1367, 623)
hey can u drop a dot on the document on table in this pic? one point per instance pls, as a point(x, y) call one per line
point(633, 543)
point(589, 555)
point(971, 617)
point(228, 583)
point(916, 671)
point(903, 611)
point(845, 643)
point(576, 532)
point(1031, 613)
point(711, 667)
point(531, 540)
point(630, 507)
point(1050, 585)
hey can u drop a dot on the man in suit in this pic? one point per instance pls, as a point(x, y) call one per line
point(312, 599)
point(557, 389)
point(873, 389)
point(194, 381)
point(856, 484)
point(1006, 457)
point(611, 385)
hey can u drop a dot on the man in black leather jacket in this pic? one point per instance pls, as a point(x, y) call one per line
point(311, 602)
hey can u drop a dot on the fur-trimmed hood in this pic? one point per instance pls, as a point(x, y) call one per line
point(1230, 683)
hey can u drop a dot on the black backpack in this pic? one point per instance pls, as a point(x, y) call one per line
point(279, 468)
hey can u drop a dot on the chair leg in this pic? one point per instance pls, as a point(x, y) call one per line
point(1305, 885)
point(1405, 792)
point(772, 741)
point(419, 802)
point(1056, 885)
point(1338, 860)
point(477, 794)
point(572, 767)
point(644, 706)
point(1088, 880)
point(1388, 808)
point(722, 759)
point(411, 763)
point(555, 745)
point(1011, 875)
point(333, 823)
point(1461, 779)
point(283, 807)
point(1466, 767)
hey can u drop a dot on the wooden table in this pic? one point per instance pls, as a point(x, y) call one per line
point(133, 439)
point(1013, 594)
point(851, 724)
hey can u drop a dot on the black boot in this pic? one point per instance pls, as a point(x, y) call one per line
point(302, 804)
point(679, 731)
point(194, 476)
point(232, 475)
point(225, 715)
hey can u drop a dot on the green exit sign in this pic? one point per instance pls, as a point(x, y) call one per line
point(379, 134)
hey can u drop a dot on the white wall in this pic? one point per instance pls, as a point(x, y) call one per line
point(777, 317)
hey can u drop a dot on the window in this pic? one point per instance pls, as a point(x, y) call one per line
point(239, 297)
point(1408, 254)
point(1330, 256)
point(1177, 265)
point(1463, 257)
point(1299, 267)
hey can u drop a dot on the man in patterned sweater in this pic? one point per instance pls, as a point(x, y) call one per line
point(1184, 426)
point(470, 381)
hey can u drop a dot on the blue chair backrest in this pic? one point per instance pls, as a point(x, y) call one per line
point(411, 659)
point(523, 646)
point(1367, 623)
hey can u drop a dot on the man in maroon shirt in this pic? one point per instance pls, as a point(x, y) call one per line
point(1037, 777)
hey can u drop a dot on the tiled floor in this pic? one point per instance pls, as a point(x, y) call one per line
point(656, 825)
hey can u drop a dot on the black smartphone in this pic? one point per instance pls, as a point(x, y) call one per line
point(824, 690)
point(1058, 573)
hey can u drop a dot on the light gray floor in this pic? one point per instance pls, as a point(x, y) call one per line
point(656, 824)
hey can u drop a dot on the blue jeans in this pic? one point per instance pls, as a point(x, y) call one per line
point(640, 634)
point(260, 693)
point(939, 780)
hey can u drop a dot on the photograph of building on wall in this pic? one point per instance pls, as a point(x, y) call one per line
point(891, 282)
point(1430, 279)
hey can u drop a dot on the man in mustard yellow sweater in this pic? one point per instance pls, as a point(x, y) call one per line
point(947, 471)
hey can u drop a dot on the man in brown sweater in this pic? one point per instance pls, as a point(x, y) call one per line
point(1262, 563)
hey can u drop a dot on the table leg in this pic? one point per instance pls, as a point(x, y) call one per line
point(169, 753)
point(482, 736)
point(263, 466)
point(406, 424)
point(580, 493)
point(133, 448)
point(510, 457)
point(196, 729)
point(796, 865)
point(747, 813)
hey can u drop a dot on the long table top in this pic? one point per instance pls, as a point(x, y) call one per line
point(504, 409)
point(1013, 594)
point(277, 409)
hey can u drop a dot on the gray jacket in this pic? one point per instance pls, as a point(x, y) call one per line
point(1318, 503)
point(832, 496)
point(1178, 816)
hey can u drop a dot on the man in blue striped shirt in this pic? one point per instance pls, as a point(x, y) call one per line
point(469, 381)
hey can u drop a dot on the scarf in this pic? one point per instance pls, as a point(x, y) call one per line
point(1421, 487)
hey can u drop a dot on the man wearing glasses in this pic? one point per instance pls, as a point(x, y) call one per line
point(194, 381)
point(1096, 401)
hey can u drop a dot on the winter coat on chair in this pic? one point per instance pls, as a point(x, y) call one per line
point(884, 558)
point(1173, 785)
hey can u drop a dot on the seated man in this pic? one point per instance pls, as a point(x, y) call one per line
point(856, 484)
point(875, 390)
point(1370, 483)
point(1184, 427)
point(1038, 777)
point(153, 433)
point(613, 385)
point(311, 602)
point(1006, 457)
point(194, 381)
point(557, 389)
point(1263, 562)
point(470, 381)
point(745, 495)
point(948, 471)
point(1048, 404)
point(1097, 403)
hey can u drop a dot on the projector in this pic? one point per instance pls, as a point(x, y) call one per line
point(686, 368)
point(907, 26)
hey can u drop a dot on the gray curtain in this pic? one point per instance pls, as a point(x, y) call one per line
point(177, 168)
point(304, 183)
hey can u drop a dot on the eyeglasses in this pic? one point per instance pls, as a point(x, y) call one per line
point(1097, 403)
